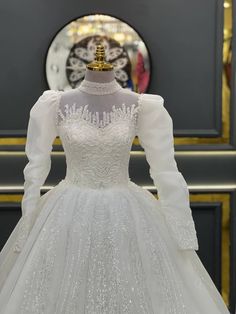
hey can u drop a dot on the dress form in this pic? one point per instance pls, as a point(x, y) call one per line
point(99, 91)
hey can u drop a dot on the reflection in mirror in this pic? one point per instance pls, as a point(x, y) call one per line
point(74, 47)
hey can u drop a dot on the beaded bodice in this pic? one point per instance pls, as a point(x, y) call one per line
point(97, 145)
point(97, 125)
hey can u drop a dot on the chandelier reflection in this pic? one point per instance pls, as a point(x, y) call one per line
point(75, 44)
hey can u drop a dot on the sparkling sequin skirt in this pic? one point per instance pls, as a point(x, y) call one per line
point(103, 251)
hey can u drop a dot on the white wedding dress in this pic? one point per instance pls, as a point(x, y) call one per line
point(97, 243)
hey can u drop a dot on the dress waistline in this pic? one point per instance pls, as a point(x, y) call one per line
point(67, 181)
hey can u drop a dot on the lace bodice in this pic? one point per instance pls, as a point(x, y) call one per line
point(97, 139)
point(97, 150)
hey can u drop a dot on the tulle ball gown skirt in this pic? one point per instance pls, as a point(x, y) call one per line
point(103, 251)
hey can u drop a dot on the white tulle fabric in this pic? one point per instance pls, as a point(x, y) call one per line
point(88, 167)
point(97, 243)
point(40, 136)
point(155, 132)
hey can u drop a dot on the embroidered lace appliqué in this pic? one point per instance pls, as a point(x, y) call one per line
point(73, 113)
point(89, 142)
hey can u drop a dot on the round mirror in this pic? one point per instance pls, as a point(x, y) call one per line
point(74, 47)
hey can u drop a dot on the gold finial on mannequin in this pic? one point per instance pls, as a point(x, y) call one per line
point(99, 63)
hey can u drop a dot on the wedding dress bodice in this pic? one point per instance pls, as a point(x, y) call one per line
point(97, 149)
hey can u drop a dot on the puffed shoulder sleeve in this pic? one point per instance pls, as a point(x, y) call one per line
point(41, 133)
point(155, 133)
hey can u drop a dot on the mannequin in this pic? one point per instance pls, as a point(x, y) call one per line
point(101, 74)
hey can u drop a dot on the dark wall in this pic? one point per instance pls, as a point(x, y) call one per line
point(182, 39)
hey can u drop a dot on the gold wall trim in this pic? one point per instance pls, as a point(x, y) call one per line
point(11, 141)
point(224, 199)
point(141, 153)
point(11, 198)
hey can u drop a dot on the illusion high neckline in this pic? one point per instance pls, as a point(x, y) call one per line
point(98, 88)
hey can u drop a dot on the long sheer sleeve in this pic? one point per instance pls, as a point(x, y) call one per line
point(155, 133)
point(41, 133)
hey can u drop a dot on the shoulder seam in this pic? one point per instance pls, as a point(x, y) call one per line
point(153, 96)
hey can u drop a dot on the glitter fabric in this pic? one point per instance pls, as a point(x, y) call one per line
point(97, 243)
